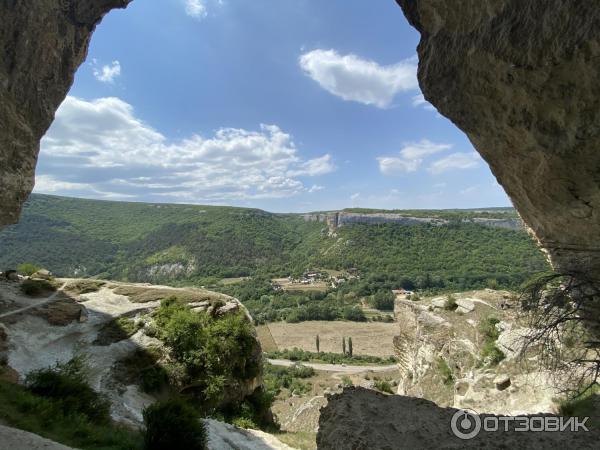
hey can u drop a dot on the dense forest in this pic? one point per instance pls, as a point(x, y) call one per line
point(191, 244)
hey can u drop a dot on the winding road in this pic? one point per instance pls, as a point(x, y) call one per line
point(339, 368)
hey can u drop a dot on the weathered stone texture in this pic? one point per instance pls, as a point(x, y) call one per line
point(522, 79)
point(42, 44)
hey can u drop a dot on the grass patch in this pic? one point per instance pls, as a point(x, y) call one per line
point(383, 386)
point(297, 354)
point(491, 355)
point(36, 288)
point(79, 287)
point(450, 304)
point(116, 330)
point(445, 371)
point(140, 294)
point(301, 440)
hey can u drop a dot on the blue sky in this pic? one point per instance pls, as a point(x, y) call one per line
point(285, 105)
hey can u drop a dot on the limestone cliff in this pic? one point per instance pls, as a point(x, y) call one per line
point(337, 219)
point(521, 78)
point(42, 43)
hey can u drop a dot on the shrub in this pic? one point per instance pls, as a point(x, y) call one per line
point(383, 386)
point(27, 269)
point(445, 371)
point(36, 287)
point(490, 353)
point(173, 424)
point(451, 304)
point(66, 384)
point(346, 381)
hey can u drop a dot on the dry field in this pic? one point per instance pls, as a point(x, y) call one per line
point(287, 285)
point(368, 338)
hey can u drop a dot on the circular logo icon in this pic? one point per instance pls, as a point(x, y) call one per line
point(465, 424)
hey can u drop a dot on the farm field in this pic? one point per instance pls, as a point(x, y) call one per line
point(287, 285)
point(368, 338)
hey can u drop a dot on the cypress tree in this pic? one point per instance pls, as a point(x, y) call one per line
point(350, 347)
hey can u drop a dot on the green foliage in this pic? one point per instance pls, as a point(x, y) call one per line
point(383, 300)
point(297, 354)
point(212, 350)
point(584, 405)
point(65, 384)
point(132, 241)
point(173, 424)
point(279, 377)
point(350, 347)
point(27, 269)
point(84, 286)
point(490, 353)
point(317, 342)
point(451, 304)
point(47, 417)
point(383, 386)
point(346, 381)
point(445, 371)
point(36, 287)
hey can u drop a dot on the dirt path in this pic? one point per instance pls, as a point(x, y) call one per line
point(340, 368)
point(47, 300)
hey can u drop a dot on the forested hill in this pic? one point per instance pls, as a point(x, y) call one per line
point(176, 243)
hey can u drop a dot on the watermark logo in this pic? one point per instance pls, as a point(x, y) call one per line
point(466, 423)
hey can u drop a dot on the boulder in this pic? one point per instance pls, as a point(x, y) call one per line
point(464, 305)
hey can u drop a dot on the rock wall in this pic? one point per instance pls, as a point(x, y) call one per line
point(521, 78)
point(334, 220)
point(42, 43)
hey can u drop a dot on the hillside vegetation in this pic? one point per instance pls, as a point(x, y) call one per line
point(191, 244)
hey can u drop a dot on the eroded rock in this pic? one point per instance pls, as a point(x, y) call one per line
point(42, 43)
point(523, 82)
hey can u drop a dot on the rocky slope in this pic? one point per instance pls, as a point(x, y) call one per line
point(42, 45)
point(443, 355)
point(38, 332)
point(523, 83)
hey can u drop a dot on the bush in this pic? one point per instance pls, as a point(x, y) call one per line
point(383, 386)
point(36, 287)
point(65, 383)
point(490, 353)
point(27, 269)
point(173, 424)
point(451, 304)
point(445, 371)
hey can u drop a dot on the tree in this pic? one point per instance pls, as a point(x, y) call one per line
point(344, 345)
point(317, 342)
point(350, 347)
point(27, 269)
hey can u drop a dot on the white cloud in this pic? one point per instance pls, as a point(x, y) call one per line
point(455, 161)
point(315, 188)
point(410, 157)
point(353, 78)
point(111, 150)
point(314, 167)
point(196, 9)
point(419, 101)
point(108, 72)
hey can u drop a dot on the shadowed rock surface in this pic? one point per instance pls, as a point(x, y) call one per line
point(42, 43)
point(362, 419)
point(522, 79)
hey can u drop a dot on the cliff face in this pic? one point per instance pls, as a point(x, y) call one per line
point(334, 220)
point(522, 80)
point(42, 43)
